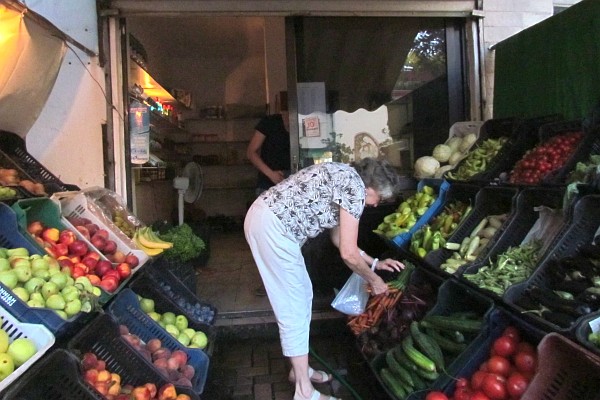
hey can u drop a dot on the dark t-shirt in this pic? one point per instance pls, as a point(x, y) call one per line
point(275, 150)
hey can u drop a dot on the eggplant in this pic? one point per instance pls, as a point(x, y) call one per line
point(590, 250)
point(590, 298)
point(575, 287)
point(557, 318)
point(554, 302)
point(581, 264)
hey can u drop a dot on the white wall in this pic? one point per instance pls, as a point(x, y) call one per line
point(67, 137)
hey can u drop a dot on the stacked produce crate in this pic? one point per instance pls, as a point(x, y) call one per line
point(75, 297)
point(521, 270)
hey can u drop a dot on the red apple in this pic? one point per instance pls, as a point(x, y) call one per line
point(78, 248)
point(35, 228)
point(109, 284)
point(124, 270)
point(140, 393)
point(152, 388)
point(74, 259)
point(60, 249)
point(167, 391)
point(50, 235)
point(89, 360)
point(110, 247)
point(132, 260)
point(102, 267)
point(67, 237)
point(92, 254)
point(91, 376)
point(98, 242)
point(82, 266)
point(76, 272)
point(113, 273)
point(102, 232)
point(90, 263)
point(117, 257)
point(94, 279)
point(84, 232)
point(92, 228)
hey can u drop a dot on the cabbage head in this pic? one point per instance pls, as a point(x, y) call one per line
point(442, 153)
point(425, 167)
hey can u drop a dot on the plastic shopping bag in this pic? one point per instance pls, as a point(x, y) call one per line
point(352, 299)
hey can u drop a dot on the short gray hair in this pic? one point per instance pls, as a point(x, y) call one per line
point(379, 175)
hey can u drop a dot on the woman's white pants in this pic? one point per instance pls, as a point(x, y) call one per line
point(280, 263)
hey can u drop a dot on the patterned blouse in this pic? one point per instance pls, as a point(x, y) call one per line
point(309, 201)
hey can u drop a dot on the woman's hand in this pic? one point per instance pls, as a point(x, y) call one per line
point(378, 286)
point(389, 264)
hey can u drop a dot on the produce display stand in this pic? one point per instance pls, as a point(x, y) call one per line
point(40, 335)
point(125, 309)
point(10, 237)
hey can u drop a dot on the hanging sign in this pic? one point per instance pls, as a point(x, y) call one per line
point(139, 132)
point(312, 127)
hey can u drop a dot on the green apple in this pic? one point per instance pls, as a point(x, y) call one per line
point(147, 305)
point(34, 284)
point(73, 307)
point(9, 278)
point(48, 289)
point(59, 279)
point(21, 293)
point(4, 264)
point(181, 322)
point(4, 341)
point(155, 316)
point(172, 329)
point(168, 318)
point(161, 323)
point(21, 350)
point(193, 346)
point(7, 366)
point(200, 339)
point(190, 332)
point(56, 302)
point(23, 272)
point(183, 339)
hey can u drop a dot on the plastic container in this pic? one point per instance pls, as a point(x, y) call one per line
point(125, 309)
point(102, 338)
point(517, 228)
point(441, 187)
point(584, 328)
point(567, 371)
point(162, 277)
point(579, 231)
point(498, 320)
point(15, 329)
point(10, 237)
point(13, 147)
point(488, 201)
point(78, 205)
point(150, 288)
point(57, 376)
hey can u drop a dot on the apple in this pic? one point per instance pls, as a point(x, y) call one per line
point(67, 237)
point(102, 232)
point(21, 350)
point(167, 391)
point(113, 273)
point(110, 247)
point(102, 267)
point(35, 228)
point(152, 388)
point(90, 263)
point(98, 242)
point(117, 257)
point(59, 249)
point(84, 231)
point(124, 270)
point(91, 376)
point(200, 339)
point(77, 271)
point(132, 260)
point(188, 371)
point(78, 248)
point(141, 393)
point(7, 366)
point(181, 322)
point(92, 228)
point(183, 339)
point(109, 284)
point(94, 279)
point(147, 305)
point(50, 235)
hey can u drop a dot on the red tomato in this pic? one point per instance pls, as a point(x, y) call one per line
point(436, 396)
point(479, 396)
point(516, 384)
point(462, 393)
point(498, 365)
point(477, 379)
point(525, 362)
point(462, 382)
point(504, 346)
point(524, 347)
point(494, 387)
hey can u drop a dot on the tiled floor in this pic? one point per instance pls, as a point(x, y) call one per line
point(247, 363)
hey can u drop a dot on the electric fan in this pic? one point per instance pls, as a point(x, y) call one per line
point(189, 186)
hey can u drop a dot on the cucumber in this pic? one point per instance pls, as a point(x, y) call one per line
point(453, 323)
point(446, 344)
point(395, 387)
point(420, 359)
point(427, 345)
point(395, 367)
point(427, 375)
point(420, 384)
point(403, 360)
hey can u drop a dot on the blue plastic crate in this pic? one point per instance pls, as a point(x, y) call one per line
point(125, 309)
point(579, 231)
point(441, 187)
point(102, 337)
point(10, 237)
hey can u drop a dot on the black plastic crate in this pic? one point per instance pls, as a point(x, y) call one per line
point(590, 144)
point(488, 201)
point(57, 376)
point(102, 337)
point(580, 231)
point(583, 330)
point(517, 227)
point(13, 146)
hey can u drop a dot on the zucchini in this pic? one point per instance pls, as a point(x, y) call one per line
point(453, 323)
point(395, 367)
point(395, 387)
point(446, 344)
point(420, 359)
point(427, 345)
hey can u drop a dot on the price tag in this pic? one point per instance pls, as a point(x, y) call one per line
point(312, 127)
point(595, 325)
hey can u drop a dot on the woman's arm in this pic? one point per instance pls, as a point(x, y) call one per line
point(253, 154)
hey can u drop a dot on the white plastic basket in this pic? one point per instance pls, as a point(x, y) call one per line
point(77, 205)
point(39, 334)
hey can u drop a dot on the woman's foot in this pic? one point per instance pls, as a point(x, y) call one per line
point(315, 376)
point(316, 395)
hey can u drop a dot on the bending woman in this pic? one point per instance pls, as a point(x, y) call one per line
point(323, 196)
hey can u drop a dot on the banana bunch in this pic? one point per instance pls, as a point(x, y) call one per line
point(148, 241)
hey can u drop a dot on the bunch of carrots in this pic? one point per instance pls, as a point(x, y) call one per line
point(379, 304)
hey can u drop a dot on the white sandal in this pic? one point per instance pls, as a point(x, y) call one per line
point(324, 376)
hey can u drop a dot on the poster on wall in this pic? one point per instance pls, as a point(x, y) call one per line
point(312, 127)
point(139, 132)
